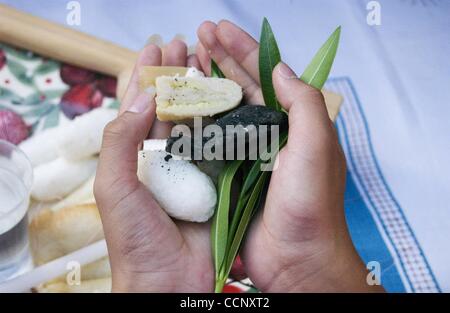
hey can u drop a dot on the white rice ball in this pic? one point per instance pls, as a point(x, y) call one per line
point(180, 188)
point(155, 144)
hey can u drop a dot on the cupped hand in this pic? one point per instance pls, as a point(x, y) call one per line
point(300, 240)
point(148, 250)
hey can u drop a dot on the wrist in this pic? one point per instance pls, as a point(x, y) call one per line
point(346, 272)
point(337, 268)
point(350, 275)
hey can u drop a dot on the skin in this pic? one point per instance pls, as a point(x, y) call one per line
point(298, 242)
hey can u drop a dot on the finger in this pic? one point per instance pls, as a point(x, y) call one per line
point(121, 138)
point(192, 61)
point(240, 46)
point(116, 177)
point(308, 165)
point(132, 219)
point(231, 69)
point(203, 58)
point(174, 54)
point(150, 55)
point(308, 118)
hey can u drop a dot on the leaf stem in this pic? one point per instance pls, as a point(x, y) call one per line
point(220, 283)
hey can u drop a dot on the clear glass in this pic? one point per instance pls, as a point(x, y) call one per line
point(16, 178)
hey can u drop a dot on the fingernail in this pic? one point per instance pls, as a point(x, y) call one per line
point(141, 103)
point(209, 41)
point(285, 71)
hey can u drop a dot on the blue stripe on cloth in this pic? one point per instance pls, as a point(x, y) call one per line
point(391, 195)
point(374, 257)
point(367, 239)
point(367, 184)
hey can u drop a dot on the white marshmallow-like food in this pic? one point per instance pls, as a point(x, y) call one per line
point(154, 145)
point(42, 147)
point(82, 137)
point(74, 140)
point(56, 179)
point(180, 188)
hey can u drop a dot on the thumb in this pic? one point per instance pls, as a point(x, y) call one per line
point(129, 213)
point(309, 124)
point(116, 170)
point(122, 137)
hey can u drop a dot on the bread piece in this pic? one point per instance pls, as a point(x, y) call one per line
point(54, 234)
point(179, 98)
point(148, 74)
point(57, 233)
point(95, 270)
point(101, 285)
point(333, 103)
point(82, 195)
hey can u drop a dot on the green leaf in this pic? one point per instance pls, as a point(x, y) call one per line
point(242, 201)
point(252, 176)
point(219, 229)
point(252, 290)
point(34, 98)
point(9, 95)
point(215, 70)
point(20, 72)
point(54, 93)
point(243, 224)
point(269, 57)
point(52, 117)
point(46, 67)
point(19, 53)
point(39, 111)
point(40, 96)
point(317, 71)
point(254, 171)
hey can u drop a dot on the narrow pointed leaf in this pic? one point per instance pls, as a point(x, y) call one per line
point(317, 71)
point(269, 57)
point(242, 201)
point(215, 70)
point(243, 225)
point(252, 176)
point(219, 229)
point(250, 179)
point(254, 171)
